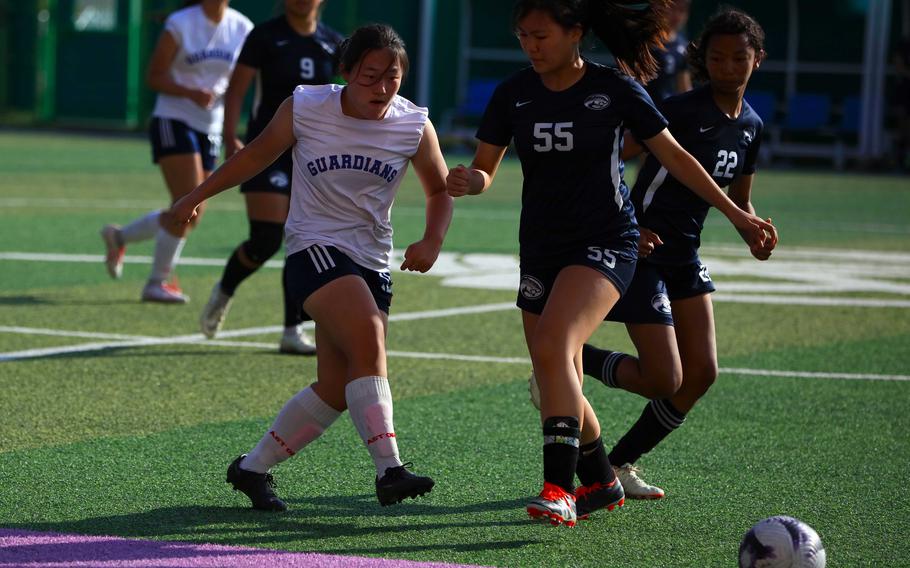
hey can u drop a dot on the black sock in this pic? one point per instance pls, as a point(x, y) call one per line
point(293, 313)
point(593, 464)
point(234, 273)
point(658, 419)
point(601, 364)
point(560, 451)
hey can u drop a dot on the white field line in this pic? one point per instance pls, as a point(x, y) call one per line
point(141, 341)
point(808, 301)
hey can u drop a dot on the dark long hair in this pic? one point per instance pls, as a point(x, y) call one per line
point(370, 38)
point(188, 3)
point(727, 21)
point(629, 29)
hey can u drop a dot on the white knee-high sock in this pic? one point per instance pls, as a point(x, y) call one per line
point(141, 229)
point(167, 253)
point(303, 419)
point(370, 405)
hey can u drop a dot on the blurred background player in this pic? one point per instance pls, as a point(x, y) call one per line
point(292, 49)
point(578, 236)
point(677, 365)
point(672, 74)
point(352, 146)
point(189, 68)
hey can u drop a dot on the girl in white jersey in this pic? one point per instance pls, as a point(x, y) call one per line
point(351, 148)
point(190, 69)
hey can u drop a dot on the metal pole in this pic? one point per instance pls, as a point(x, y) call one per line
point(792, 49)
point(871, 143)
point(425, 51)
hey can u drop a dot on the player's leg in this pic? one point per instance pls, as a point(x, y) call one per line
point(267, 213)
point(351, 312)
point(302, 419)
point(555, 338)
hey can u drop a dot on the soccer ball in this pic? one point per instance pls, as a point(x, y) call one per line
point(781, 542)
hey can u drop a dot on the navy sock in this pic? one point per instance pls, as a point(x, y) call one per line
point(593, 464)
point(656, 422)
point(560, 451)
point(601, 364)
point(234, 273)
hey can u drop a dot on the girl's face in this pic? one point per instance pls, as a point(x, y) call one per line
point(549, 46)
point(302, 8)
point(730, 61)
point(372, 84)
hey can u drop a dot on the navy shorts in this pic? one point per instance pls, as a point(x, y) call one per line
point(655, 287)
point(616, 263)
point(312, 268)
point(274, 179)
point(172, 137)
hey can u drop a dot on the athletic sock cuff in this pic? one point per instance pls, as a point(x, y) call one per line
point(611, 364)
point(318, 409)
point(372, 387)
point(668, 416)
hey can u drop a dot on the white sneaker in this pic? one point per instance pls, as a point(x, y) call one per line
point(534, 390)
point(163, 293)
point(214, 312)
point(634, 486)
point(297, 342)
point(113, 259)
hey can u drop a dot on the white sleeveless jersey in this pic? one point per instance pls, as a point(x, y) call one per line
point(205, 58)
point(346, 174)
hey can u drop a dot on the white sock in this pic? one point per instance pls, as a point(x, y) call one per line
point(141, 229)
point(303, 419)
point(167, 252)
point(370, 404)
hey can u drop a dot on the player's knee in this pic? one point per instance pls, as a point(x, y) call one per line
point(665, 382)
point(700, 378)
point(265, 240)
point(547, 353)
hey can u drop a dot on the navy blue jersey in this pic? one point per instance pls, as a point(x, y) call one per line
point(284, 59)
point(569, 143)
point(671, 61)
point(724, 147)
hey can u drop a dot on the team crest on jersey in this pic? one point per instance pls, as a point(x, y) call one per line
point(661, 303)
point(703, 273)
point(599, 101)
point(748, 136)
point(530, 287)
point(278, 179)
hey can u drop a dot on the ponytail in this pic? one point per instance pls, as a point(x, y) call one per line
point(630, 30)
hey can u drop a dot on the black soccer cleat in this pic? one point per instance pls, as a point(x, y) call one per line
point(590, 498)
point(397, 484)
point(257, 486)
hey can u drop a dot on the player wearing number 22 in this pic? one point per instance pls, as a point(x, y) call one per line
point(578, 235)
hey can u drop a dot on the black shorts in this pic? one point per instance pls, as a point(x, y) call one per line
point(171, 137)
point(654, 289)
point(616, 263)
point(312, 268)
point(274, 179)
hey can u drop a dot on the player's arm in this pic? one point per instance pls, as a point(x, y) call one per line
point(740, 192)
point(631, 147)
point(431, 169)
point(277, 137)
point(233, 103)
point(158, 76)
point(681, 165)
point(476, 178)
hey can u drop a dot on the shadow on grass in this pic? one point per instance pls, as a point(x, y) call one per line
point(24, 301)
point(311, 523)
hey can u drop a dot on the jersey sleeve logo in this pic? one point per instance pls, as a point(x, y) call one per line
point(598, 101)
point(748, 136)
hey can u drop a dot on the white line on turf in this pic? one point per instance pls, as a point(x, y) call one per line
point(144, 341)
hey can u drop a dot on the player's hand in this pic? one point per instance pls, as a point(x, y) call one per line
point(648, 240)
point(203, 98)
point(458, 182)
point(420, 256)
point(763, 252)
point(183, 211)
point(754, 230)
point(232, 145)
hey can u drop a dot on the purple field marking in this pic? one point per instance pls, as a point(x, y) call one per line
point(56, 550)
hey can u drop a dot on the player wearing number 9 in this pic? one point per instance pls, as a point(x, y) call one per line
point(677, 365)
point(293, 49)
point(566, 116)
